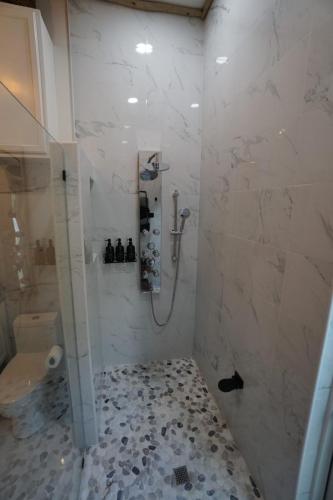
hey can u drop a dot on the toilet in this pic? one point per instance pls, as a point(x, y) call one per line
point(30, 394)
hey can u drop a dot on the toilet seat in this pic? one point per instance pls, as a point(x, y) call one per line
point(23, 374)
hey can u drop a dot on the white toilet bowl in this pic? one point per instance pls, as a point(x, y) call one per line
point(30, 394)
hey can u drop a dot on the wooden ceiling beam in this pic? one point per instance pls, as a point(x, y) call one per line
point(167, 8)
point(205, 9)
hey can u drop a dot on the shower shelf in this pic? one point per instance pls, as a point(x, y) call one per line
point(124, 262)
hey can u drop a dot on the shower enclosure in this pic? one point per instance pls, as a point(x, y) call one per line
point(44, 459)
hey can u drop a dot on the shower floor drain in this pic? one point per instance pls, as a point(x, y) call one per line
point(181, 475)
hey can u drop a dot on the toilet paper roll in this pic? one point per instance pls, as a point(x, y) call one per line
point(54, 357)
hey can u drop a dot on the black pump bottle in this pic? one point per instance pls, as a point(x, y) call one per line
point(130, 251)
point(109, 253)
point(120, 251)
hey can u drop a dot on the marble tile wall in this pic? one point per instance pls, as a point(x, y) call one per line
point(90, 260)
point(78, 348)
point(107, 71)
point(265, 226)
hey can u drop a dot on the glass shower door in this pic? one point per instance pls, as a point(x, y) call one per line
point(40, 420)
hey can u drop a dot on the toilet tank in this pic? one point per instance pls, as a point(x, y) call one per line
point(36, 332)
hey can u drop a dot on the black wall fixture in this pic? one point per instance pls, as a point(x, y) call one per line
point(231, 384)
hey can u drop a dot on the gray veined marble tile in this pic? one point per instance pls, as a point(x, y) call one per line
point(264, 281)
point(306, 291)
point(106, 72)
point(264, 216)
point(312, 221)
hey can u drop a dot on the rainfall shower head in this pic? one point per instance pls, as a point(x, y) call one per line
point(156, 166)
point(152, 168)
point(153, 164)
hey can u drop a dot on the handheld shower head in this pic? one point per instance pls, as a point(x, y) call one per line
point(184, 213)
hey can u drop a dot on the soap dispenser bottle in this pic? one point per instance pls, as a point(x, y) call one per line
point(130, 251)
point(120, 251)
point(39, 254)
point(50, 254)
point(109, 253)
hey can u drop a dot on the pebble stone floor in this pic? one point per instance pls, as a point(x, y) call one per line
point(154, 418)
point(44, 466)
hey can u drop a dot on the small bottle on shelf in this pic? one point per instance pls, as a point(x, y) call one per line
point(39, 254)
point(120, 251)
point(109, 253)
point(50, 254)
point(130, 251)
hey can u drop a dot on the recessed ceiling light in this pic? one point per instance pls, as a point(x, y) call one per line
point(124, 142)
point(144, 48)
point(127, 126)
point(222, 59)
point(194, 105)
point(132, 100)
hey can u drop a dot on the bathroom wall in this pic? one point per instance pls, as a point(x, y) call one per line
point(90, 260)
point(106, 72)
point(76, 312)
point(266, 218)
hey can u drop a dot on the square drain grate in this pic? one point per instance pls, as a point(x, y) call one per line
point(181, 475)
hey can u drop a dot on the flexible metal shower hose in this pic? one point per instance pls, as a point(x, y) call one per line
point(160, 323)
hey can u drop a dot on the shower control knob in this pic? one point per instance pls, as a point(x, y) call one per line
point(156, 232)
point(145, 275)
point(155, 273)
point(150, 262)
point(156, 253)
point(151, 245)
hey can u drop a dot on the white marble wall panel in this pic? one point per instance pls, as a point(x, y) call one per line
point(84, 353)
point(266, 216)
point(90, 261)
point(107, 70)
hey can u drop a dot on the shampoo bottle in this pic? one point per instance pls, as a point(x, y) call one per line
point(130, 251)
point(109, 253)
point(120, 251)
point(50, 254)
point(39, 254)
